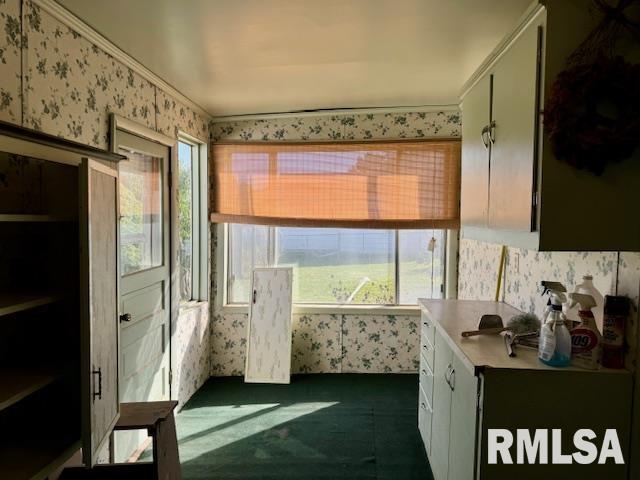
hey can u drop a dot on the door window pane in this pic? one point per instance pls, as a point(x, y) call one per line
point(421, 265)
point(339, 265)
point(249, 245)
point(185, 219)
point(140, 212)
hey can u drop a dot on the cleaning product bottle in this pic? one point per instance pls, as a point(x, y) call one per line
point(587, 287)
point(554, 348)
point(586, 340)
point(549, 286)
point(616, 311)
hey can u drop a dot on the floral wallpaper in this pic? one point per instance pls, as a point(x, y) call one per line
point(191, 342)
point(341, 127)
point(385, 344)
point(10, 61)
point(71, 85)
point(171, 116)
point(327, 343)
point(59, 82)
point(613, 273)
point(56, 81)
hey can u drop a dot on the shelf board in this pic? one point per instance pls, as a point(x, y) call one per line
point(18, 217)
point(16, 302)
point(18, 383)
point(35, 458)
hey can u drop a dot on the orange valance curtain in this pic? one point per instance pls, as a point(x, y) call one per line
point(403, 184)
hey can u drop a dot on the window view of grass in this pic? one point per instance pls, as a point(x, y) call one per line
point(340, 266)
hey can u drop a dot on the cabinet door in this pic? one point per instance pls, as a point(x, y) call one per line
point(514, 134)
point(462, 432)
point(439, 458)
point(99, 301)
point(474, 194)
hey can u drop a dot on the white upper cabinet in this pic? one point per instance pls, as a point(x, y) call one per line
point(513, 133)
point(514, 190)
point(474, 199)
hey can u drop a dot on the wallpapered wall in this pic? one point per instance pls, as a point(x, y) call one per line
point(613, 273)
point(56, 81)
point(337, 343)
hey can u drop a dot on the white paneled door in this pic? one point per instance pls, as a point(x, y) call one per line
point(145, 278)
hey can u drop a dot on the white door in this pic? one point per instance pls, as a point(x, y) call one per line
point(442, 367)
point(462, 433)
point(268, 358)
point(145, 277)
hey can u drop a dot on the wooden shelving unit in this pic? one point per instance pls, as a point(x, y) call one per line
point(35, 458)
point(18, 383)
point(17, 302)
point(31, 218)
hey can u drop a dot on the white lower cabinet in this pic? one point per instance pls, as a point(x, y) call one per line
point(455, 395)
point(471, 385)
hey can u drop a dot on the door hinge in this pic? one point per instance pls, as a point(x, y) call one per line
point(442, 288)
point(170, 377)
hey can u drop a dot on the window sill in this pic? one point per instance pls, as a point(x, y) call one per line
point(301, 309)
point(187, 306)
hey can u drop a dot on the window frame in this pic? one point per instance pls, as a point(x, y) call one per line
point(199, 221)
point(449, 285)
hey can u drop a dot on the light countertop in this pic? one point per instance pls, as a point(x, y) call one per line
point(452, 317)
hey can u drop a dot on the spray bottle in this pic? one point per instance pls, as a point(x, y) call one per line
point(549, 286)
point(586, 349)
point(554, 348)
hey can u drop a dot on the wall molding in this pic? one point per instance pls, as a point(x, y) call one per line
point(338, 111)
point(89, 33)
point(527, 17)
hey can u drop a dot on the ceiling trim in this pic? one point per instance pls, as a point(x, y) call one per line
point(340, 111)
point(527, 17)
point(89, 33)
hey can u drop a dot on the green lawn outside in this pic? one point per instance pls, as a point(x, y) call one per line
point(335, 283)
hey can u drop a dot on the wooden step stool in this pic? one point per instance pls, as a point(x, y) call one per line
point(157, 418)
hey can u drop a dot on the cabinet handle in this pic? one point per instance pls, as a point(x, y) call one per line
point(492, 132)
point(255, 296)
point(97, 394)
point(423, 406)
point(446, 375)
point(452, 380)
point(426, 324)
point(125, 317)
point(425, 346)
point(485, 131)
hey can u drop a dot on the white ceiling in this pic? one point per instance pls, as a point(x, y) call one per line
point(261, 56)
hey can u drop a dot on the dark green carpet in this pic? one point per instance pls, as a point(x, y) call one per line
point(318, 427)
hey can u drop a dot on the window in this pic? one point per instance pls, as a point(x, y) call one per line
point(141, 212)
point(338, 265)
point(191, 223)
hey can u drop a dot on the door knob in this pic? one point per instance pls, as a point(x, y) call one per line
point(125, 317)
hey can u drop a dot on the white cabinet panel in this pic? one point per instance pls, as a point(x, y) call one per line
point(462, 431)
point(269, 337)
point(439, 458)
point(474, 196)
point(425, 415)
point(514, 136)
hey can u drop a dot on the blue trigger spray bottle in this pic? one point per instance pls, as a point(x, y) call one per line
point(554, 348)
